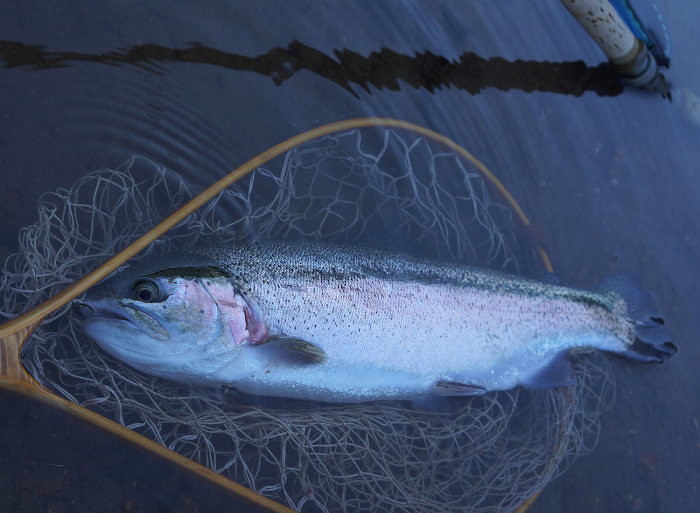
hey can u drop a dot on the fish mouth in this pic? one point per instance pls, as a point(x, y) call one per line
point(129, 315)
point(82, 307)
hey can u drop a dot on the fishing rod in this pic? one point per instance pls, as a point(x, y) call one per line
point(628, 55)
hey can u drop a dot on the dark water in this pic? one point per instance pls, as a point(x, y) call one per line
point(610, 177)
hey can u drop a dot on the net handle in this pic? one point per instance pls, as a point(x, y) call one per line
point(14, 377)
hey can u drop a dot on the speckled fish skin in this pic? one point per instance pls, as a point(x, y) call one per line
point(388, 326)
point(393, 326)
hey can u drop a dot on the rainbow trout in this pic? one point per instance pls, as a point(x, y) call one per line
point(350, 324)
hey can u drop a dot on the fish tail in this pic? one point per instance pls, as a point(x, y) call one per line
point(652, 342)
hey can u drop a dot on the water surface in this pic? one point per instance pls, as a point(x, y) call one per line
point(609, 176)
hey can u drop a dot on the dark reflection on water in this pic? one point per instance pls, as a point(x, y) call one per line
point(381, 69)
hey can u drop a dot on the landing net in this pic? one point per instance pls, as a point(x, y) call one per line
point(482, 454)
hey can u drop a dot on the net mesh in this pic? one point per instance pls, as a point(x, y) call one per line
point(481, 454)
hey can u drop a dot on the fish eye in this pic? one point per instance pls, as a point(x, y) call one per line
point(146, 291)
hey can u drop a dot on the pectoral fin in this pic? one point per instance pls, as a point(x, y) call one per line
point(453, 388)
point(291, 352)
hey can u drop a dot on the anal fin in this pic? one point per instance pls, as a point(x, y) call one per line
point(557, 373)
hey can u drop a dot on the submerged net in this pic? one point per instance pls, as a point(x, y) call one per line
point(477, 454)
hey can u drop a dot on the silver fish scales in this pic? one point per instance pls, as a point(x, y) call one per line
point(344, 323)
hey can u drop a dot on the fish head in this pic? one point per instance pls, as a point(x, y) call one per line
point(180, 320)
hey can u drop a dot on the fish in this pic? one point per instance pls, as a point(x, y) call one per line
point(352, 323)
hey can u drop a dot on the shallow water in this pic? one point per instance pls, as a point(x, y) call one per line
point(610, 178)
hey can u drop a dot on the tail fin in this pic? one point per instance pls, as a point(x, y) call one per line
point(653, 341)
